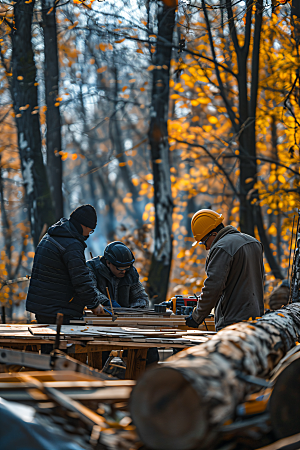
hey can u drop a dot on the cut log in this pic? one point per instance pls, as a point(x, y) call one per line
point(184, 404)
point(285, 402)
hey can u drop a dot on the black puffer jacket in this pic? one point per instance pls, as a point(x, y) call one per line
point(128, 291)
point(60, 280)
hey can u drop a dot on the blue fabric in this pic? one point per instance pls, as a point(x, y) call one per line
point(18, 434)
point(60, 280)
point(115, 304)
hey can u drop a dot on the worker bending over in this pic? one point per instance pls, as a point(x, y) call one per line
point(234, 269)
point(116, 272)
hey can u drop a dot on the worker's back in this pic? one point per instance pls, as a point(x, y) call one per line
point(242, 258)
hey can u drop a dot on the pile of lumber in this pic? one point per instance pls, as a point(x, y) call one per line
point(67, 410)
point(132, 312)
point(143, 318)
point(150, 336)
point(200, 396)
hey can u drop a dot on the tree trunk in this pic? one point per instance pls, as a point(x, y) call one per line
point(184, 404)
point(53, 137)
point(296, 12)
point(6, 227)
point(276, 271)
point(158, 279)
point(274, 141)
point(295, 277)
point(247, 111)
point(117, 141)
point(24, 94)
point(245, 129)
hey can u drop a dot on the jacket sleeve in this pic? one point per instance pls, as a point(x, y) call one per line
point(101, 298)
point(138, 297)
point(85, 292)
point(217, 273)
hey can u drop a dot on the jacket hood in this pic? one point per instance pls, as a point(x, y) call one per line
point(104, 269)
point(226, 230)
point(64, 228)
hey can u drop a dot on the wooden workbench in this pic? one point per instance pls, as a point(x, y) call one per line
point(86, 343)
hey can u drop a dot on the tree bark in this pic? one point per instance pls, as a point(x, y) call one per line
point(53, 136)
point(6, 227)
point(184, 404)
point(295, 277)
point(296, 12)
point(158, 279)
point(24, 95)
point(117, 140)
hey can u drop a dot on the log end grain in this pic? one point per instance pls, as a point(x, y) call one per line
point(167, 411)
point(285, 402)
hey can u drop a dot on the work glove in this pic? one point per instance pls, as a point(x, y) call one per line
point(115, 304)
point(190, 322)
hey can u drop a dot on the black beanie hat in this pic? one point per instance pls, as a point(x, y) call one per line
point(85, 215)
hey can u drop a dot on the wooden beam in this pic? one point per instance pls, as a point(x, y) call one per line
point(289, 443)
point(136, 363)
point(184, 403)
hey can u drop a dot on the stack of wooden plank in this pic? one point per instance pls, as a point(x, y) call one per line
point(150, 336)
point(143, 318)
point(66, 407)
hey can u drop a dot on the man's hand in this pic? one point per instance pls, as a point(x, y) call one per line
point(190, 322)
point(98, 311)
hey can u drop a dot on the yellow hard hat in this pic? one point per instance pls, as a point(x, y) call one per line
point(204, 221)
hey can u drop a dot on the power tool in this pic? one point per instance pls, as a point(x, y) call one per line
point(180, 304)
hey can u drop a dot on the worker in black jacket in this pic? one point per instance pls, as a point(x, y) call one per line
point(60, 280)
point(116, 272)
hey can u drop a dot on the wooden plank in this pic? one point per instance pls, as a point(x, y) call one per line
point(42, 331)
point(63, 378)
point(289, 443)
point(111, 344)
point(12, 343)
point(136, 363)
point(81, 357)
point(95, 359)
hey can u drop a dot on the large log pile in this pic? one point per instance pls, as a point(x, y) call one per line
point(184, 404)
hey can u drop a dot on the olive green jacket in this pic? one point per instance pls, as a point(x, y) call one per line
point(234, 283)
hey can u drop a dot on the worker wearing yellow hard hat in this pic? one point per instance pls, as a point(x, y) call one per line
point(203, 222)
point(234, 269)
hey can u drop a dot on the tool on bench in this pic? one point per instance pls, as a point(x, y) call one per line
point(181, 305)
point(59, 322)
point(107, 310)
point(111, 306)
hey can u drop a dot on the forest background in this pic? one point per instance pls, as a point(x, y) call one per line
point(148, 110)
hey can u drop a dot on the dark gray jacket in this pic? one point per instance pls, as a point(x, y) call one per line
point(60, 280)
point(234, 283)
point(127, 291)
